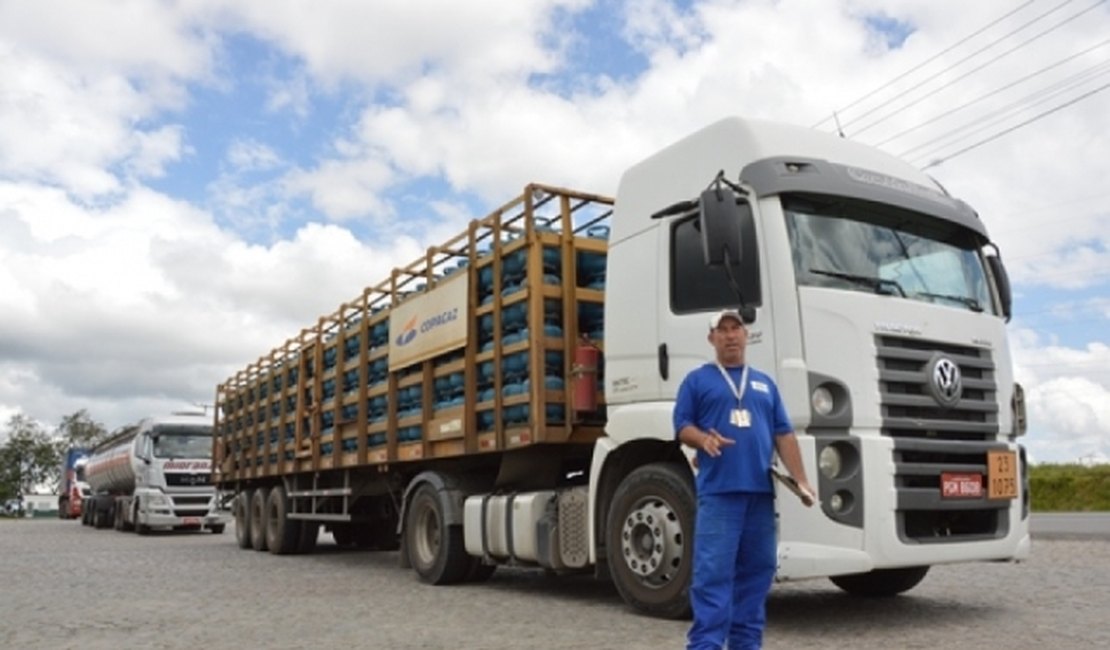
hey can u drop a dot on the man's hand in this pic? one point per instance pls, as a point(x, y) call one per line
point(810, 495)
point(712, 443)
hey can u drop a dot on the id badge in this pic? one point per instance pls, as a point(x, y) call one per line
point(741, 418)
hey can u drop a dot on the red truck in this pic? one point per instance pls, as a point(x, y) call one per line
point(72, 488)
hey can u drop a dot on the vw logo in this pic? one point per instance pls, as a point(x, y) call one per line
point(945, 382)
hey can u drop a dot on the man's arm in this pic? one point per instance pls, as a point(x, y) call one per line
point(791, 455)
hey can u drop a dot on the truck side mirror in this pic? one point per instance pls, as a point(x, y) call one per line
point(1002, 281)
point(723, 218)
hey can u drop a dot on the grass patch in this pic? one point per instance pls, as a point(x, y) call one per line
point(1069, 488)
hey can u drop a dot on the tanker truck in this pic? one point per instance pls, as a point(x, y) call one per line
point(154, 474)
point(507, 398)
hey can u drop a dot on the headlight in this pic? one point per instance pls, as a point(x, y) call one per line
point(822, 400)
point(157, 501)
point(829, 462)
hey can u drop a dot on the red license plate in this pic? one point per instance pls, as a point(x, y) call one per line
point(191, 521)
point(961, 486)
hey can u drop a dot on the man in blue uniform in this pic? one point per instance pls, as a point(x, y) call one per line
point(733, 416)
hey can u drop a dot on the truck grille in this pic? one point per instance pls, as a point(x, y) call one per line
point(909, 408)
point(184, 478)
point(931, 437)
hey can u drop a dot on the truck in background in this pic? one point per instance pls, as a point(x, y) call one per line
point(152, 475)
point(72, 489)
point(507, 398)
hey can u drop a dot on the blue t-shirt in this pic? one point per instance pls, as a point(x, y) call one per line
point(706, 400)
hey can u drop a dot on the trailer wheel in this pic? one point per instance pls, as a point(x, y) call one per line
point(258, 520)
point(282, 533)
point(436, 550)
point(881, 583)
point(649, 538)
point(242, 507)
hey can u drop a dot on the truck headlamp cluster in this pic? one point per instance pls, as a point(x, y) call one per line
point(829, 462)
point(822, 400)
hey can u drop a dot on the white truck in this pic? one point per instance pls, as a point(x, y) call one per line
point(155, 474)
point(537, 431)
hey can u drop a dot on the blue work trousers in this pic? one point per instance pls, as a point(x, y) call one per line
point(734, 564)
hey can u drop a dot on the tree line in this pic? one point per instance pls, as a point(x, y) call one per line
point(31, 457)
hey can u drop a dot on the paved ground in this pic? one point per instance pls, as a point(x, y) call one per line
point(67, 586)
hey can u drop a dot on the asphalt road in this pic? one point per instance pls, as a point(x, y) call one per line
point(67, 586)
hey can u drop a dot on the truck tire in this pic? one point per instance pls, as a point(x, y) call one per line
point(437, 551)
point(258, 520)
point(242, 507)
point(310, 530)
point(217, 529)
point(344, 535)
point(282, 533)
point(881, 583)
point(63, 509)
point(649, 539)
point(103, 517)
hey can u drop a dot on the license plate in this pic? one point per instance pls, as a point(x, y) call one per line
point(1002, 475)
point(191, 521)
point(961, 486)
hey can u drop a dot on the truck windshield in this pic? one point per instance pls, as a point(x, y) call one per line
point(858, 246)
point(182, 442)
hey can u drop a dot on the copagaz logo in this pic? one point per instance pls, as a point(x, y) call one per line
point(408, 333)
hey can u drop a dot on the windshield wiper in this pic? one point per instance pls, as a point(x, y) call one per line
point(875, 284)
point(970, 303)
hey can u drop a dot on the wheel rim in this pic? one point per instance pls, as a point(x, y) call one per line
point(652, 542)
point(427, 536)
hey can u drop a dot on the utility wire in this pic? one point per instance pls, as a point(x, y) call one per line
point(985, 121)
point(1027, 77)
point(966, 74)
point(924, 63)
point(1016, 127)
point(976, 52)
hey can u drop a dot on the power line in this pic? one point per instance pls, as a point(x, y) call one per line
point(996, 116)
point(989, 94)
point(925, 62)
point(957, 63)
point(1016, 127)
point(989, 62)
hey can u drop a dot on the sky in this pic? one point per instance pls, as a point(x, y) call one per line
point(185, 185)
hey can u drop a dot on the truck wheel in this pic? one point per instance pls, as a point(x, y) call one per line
point(103, 517)
point(436, 550)
point(217, 529)
point(63, 509)
point(881, 582)
point(310, 530)
point(649, 540)
point(344, 535)
point(282, 533)
point(478, 571)
point(258, 520)
point(242, 507)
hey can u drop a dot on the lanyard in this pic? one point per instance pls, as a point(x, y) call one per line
point(739, 392)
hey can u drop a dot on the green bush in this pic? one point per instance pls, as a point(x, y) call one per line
point(1069, 488)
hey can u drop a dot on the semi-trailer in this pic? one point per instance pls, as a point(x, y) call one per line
point(507, 397)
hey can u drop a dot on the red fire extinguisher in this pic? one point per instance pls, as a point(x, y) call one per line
point(584, 375)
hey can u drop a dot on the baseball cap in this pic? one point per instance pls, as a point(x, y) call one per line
point(715, 319)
